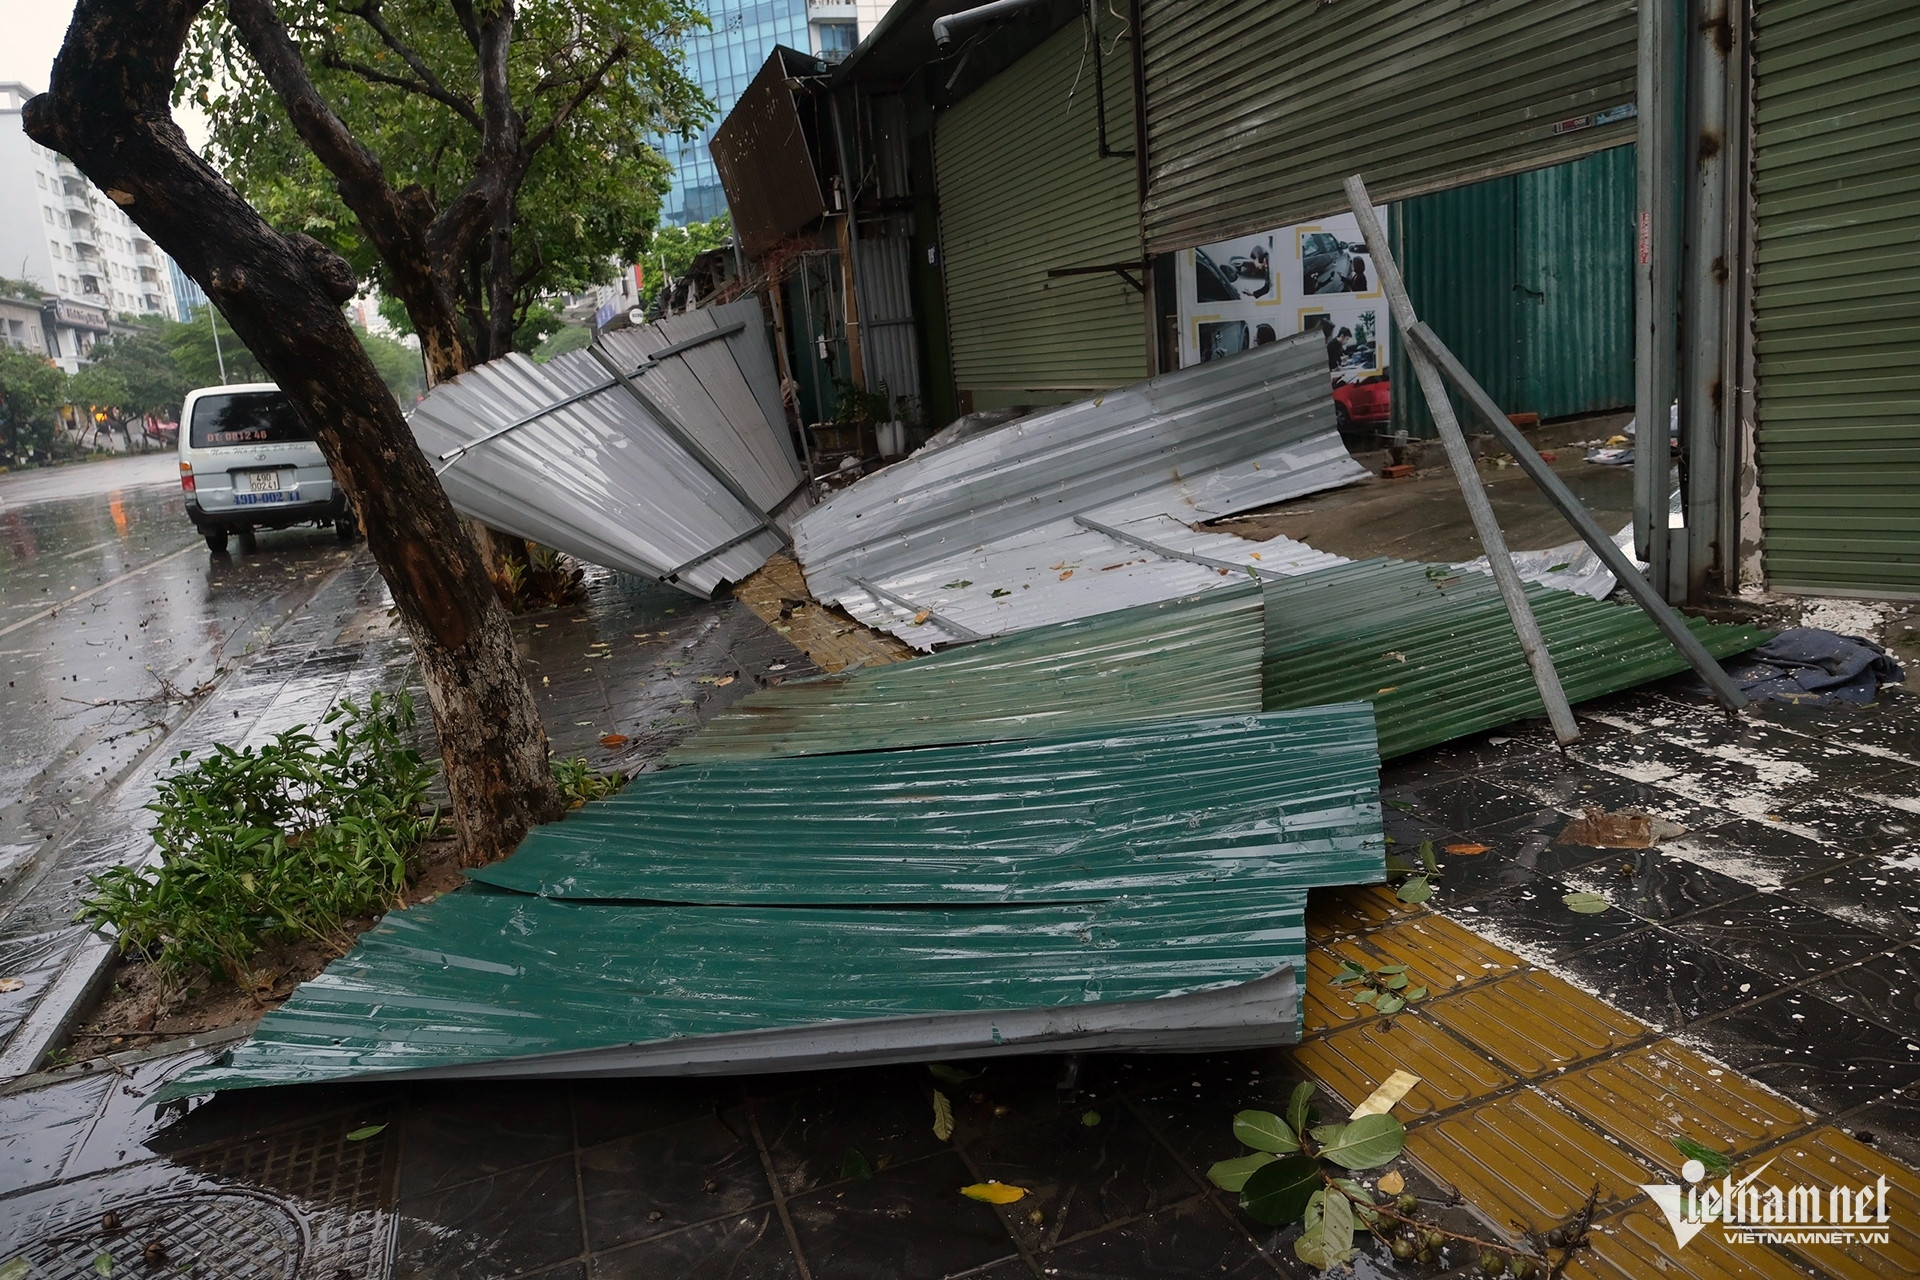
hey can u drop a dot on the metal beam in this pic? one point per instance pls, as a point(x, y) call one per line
point(1532, 644)
point(1655, 345)
point(1704, 287)
point(1671, 625)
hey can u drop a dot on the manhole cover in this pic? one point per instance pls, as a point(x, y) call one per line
point(208, 1235)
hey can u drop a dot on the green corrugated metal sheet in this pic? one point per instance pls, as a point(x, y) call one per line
point(1529, 280)
point(1257, 110)
point(1196, 656)
point(1837, 292)
point(502, 984)
point(1023, 190)
point(761, 915)
point(1435, 653)
point(1265, 802)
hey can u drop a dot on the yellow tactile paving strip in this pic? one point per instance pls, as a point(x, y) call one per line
point(1533, 1092)
point(1533, 1023)
point(1524, 1162)
point(778, 595)
point(1353, 1061)
point(1827, 1158)
point(1637, 1244)
point(1647, 1097)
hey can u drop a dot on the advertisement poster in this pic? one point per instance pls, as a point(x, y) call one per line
point(1315, 277)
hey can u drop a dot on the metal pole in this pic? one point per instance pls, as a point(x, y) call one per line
point(1725, 691)
point(1654, 345)
point(215, 326)
point(1703, 398)
point(1559, 714)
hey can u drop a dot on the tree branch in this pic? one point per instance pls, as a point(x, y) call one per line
point(369, 13)
point(588, 87)
point(453, 103)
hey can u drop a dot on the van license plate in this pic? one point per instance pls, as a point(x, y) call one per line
point(260, 481)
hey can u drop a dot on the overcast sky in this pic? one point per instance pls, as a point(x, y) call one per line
point(33, 32)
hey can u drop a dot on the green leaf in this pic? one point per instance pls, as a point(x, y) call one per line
point(1402, 805)
point(1354, 967)
point(1415, 891)
point(1090, 1119)
point(1587, 904)
point(1418, 993)
point(855, 1165)
point(1325, 1133)
point(1326, 1240)
point(1232, 1175)
point(1396, 981)
point(1559, 568)
point(1389, 1004)
point(18, 1269)
point(1366, 997)
point(949, 1075)
point(942, 1116)
point(365, 1131)
point(1363, 1210)
point(1391, 968)
point(1264, 1131)
point(1278, 1192)
point(1367, 1143)
point(1427, 858)
point(103, 1264)
point(1716, 1163)
point(958, 585)
point(1298, 1104)
point(1000, 591)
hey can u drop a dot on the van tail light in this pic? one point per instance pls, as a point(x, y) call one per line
point(186, 477)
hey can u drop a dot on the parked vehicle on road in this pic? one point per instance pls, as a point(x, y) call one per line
point(247, 462)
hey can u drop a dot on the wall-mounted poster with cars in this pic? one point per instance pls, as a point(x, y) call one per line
point(1315, 277)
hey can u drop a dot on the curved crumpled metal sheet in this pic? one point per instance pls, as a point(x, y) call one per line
point(1185, 447)
point(603, 478)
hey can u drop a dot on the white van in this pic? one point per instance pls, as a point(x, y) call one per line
point(246, 463)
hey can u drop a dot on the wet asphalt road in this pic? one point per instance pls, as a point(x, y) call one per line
point(111, 609)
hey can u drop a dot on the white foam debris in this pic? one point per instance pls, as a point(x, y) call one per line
point(1848, 617)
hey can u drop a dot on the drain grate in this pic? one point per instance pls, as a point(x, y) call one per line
point(208, 1235)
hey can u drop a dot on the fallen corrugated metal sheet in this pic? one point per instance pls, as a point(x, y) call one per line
point(1432, 648)
point(1140, 888)
point(1195, 656)
point(661, 451)
point(1260, 802)
point(1086, 508)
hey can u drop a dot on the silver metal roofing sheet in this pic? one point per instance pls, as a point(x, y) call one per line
point(1193, 656)
point(688, 488)
point(1221, 437)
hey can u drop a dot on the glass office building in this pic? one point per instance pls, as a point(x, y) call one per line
point(724, 60)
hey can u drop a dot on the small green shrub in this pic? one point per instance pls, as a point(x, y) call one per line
point(288, 841)
point(579, 783)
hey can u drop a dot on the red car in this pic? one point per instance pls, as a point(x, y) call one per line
point(1364, 402)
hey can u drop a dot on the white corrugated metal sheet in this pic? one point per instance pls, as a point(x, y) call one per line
point(677, 466)
point(1086, 508)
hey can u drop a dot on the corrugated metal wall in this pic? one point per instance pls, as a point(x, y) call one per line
point(1529, 279)
point(1257, 110)
point(1023, 189)
point(1837, 292)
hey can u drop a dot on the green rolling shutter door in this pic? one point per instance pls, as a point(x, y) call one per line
point(1257, 110)
point(1024, 190)
point(1837, 292)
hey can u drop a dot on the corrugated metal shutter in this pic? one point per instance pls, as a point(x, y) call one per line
point(1529, 279)
point(1837, 292)
point(1573, 285)
point(1257, 110)
point(1023, 190)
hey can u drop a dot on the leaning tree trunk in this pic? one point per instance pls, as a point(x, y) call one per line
point(107, 110)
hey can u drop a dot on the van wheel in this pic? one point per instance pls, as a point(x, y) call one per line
point(216, 540)
point(247, 543)
point(346, 528)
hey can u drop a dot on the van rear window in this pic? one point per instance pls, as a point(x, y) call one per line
point(252, 417)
